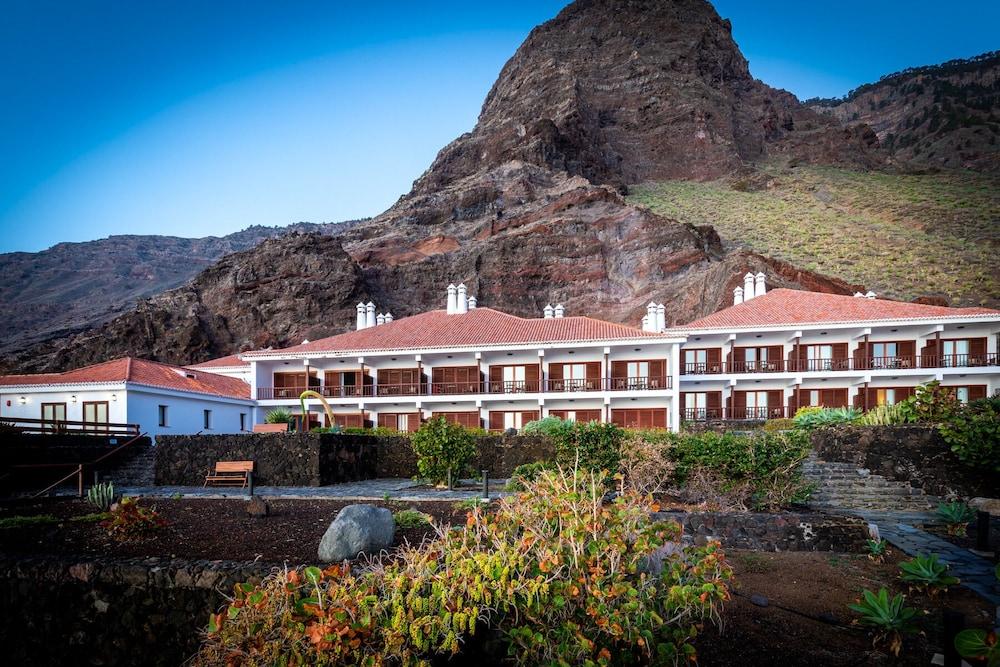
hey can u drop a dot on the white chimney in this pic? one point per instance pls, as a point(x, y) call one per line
point(859, 295)
point(645, 322)
point(748, 292)
point(559, 310)
point(379, 319)
point(870, 295)
point(463, 299)
point(388, 318)
point(760, 286)
point(370, 315)
point(737, 296)
point(472, 303)
point(547, 312)
point(361, 316)
point(452, 307)
point(651, 316)
point(661, 318)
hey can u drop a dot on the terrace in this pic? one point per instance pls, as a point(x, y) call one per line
point(900, 362)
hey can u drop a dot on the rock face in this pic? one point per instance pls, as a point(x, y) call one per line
point(526, 209)
point(940, 115)
point(357, 529)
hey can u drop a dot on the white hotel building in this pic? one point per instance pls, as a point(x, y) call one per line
point(761, 358)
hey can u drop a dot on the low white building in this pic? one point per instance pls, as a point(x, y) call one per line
point(128, 395)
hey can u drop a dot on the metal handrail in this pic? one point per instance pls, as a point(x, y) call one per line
point(79, 468)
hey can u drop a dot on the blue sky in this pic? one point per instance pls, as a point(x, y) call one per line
point(201, 118)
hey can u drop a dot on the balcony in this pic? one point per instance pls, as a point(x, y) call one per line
point(472, 387)
point(759, 413)
point(835, 365)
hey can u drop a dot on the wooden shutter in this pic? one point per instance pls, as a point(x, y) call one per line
point(496, 374)
point(555, 372)
point(683, 403)
point(387, 420)
point(833, 398)
point(532, 374)
point(496, 420)
point(713, 359)
point(619, 417)
point(859, 357)
point(903, 393)
point(619, 369)
point(713, 404)
point(585, 416)
point(593, 375)
point(775, 402)
point(529, 416)
point(775, 355)
point(977, 391)
point(839, 355)
point(929, 350)
point(907, 350)
point(740, 399)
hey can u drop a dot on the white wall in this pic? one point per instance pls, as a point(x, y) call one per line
point(185, 412)
point(114, 394)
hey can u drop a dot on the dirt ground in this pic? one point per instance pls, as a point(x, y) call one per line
point(800, 587)
point(202, 528)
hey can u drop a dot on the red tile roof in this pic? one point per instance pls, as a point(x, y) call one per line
point(139, 371)
point(482, 326)
point(791, 307)
point(231, 361)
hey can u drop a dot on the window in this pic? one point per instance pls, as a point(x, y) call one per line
point(962, 394)
point(207, 414)
point(814, 399)
point(53, 414)
point(955, 352)
point(513, 378)
point(885, 397)
point(756, 404)
point(403, 423)
point(243, 421)
point(512, 420)
point(162, 410)
point(695, 361)
point(883, 349)
point(820, 357)
point(695, 405)
point(95, 414)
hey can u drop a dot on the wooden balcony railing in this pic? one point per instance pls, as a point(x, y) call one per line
point(759, 413)
point(641, 383)
point(25, 425)
point(901, 362)
point(593, 384)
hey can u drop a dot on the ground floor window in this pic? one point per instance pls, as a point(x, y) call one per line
point(207, 415)
point(95, 414)
point(885, 397)
point(466, 419)
point(581, 416)
point(502, 420)
point(640, 418)
point(404, 422)
point(53, 414)
point(162, 414)
point(243, 421)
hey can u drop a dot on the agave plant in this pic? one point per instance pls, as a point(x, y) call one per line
point(876, 545)
point(101, 495)
point(926, 573)
point(956, 516)
point(890, 618)
point(883, 415)
point(812, 419)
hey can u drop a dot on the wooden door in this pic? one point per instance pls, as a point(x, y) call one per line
point(95, 413)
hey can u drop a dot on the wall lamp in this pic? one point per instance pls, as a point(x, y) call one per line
point(22, 400)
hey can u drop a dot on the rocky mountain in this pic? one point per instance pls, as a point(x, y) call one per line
point(944, 115)
point(528, 207)
point(74, 286)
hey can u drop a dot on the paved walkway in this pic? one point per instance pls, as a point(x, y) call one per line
point(900, 530)
point(405, 490)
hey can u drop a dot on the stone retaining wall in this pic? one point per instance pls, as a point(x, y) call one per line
point(788, 531)
point(316, 459)
point(149, 611)
point(914, 454)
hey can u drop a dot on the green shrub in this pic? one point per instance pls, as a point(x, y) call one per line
point(411, 518)
point(930, 403)
point(101, 495)
point(775, 425)
point(556, 575)
point(23, 521)
point(973, 433)
point(591, 446)
point(956, 516)
point(761, 471)
point(550, 426)
point(813, 418)
point(926, 573)
point(889, 617)
point(278, 416)
point(527, 472)
point(444, 451)
point(884, 415)
point(978, 645)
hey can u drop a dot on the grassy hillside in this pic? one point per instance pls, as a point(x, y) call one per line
point(900, 235)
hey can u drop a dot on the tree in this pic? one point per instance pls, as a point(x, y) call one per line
point(443, 450)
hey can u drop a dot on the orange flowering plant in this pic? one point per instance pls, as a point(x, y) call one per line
point(554, 575)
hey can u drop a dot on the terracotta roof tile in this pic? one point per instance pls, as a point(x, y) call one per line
point(482, 326)
point(231, 361)
point(791, 307)
point(140, 371)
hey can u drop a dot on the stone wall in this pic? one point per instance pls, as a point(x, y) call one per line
point(787, 531)
point(914, 454)
point(150, 611)
point(315, 459)
point(34, 449)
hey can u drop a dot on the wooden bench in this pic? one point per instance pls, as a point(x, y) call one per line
point(230, 473)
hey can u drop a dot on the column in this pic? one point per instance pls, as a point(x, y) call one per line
point(675, 387)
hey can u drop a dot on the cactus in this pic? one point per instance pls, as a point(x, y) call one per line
point(101, 495)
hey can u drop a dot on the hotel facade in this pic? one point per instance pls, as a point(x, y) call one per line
point(765, 356)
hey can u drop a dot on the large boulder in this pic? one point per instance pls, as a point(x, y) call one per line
point(357, 528)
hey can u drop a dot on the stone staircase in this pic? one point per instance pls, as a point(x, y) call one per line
point(138, 470)
point(846, 486)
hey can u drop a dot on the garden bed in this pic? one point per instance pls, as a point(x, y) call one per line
point(201, 529)
point(820, 585)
